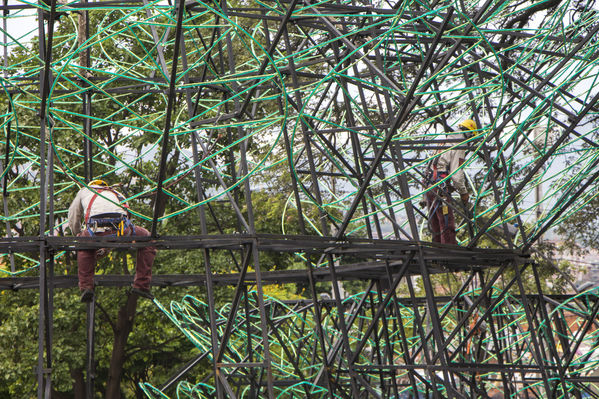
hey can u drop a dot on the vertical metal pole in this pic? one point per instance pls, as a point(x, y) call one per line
point(42, 226)
point(84, 62)
point(6, 213)
point(536, 352)
point(49, 316)
point(254, 245)
point(260, 292)
point(89, 364)
point(220, 379)
point(203, 227)
point(44, 384)
point(8, 131)
point(496, 342)
point(407, 358)
point(546, 334)
point(169, 110)
point(419, 326)
point(386, 341)
point(539, 210)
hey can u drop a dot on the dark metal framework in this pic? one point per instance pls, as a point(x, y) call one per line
point(451, 339)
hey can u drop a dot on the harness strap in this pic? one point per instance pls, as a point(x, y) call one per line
point(89, 206)
point(434, 175)
point(91, 202)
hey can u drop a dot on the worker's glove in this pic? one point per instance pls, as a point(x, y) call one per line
point(465, 197)
point(102, 252)
point(422, 203)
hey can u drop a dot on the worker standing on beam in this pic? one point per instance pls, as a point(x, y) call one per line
point(441, 220)
point(105, 213)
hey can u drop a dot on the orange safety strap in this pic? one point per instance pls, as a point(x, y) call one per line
point(472, 324)
point(89, 206)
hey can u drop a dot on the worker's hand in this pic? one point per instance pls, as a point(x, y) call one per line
point(422, 203)
point(465, 197)
point(102, 252)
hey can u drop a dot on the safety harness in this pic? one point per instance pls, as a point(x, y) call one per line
point(433, 176)
point(118, 222)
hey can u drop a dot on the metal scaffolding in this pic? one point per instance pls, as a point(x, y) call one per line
point(349, 101)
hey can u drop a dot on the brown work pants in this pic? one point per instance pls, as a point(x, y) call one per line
point(442, 224)
point(86, 262)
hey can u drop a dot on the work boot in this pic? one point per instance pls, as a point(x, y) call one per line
point(142, 292)
point(87, 295)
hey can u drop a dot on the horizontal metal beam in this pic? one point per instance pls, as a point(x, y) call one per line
point(268, 242)
point(375, 270)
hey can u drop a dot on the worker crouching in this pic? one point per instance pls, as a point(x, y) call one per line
point(105, 213)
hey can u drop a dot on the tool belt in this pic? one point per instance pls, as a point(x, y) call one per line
point(433, 175)
point(117, 222)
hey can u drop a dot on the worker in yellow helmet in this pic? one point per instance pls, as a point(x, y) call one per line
point(105, 212)
point(438, 199)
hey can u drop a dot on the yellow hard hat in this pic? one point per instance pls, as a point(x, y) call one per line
point(98, 182)
point(469, 124)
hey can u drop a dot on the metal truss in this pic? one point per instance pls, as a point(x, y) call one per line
point(349, 85)
point(496, 341)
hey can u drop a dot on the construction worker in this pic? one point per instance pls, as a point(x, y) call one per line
point(440, 214)
point(105, 213)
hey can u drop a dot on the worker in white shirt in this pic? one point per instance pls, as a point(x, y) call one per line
point(447, 162)
point(105, 212)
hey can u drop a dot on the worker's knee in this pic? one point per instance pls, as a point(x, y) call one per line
point(86, 256)
point(141, 232)
point(148, 251)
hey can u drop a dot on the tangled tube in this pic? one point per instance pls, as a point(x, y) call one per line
point(310, 95)
point(491, 340)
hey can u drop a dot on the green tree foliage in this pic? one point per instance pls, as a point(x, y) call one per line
point(581, 229)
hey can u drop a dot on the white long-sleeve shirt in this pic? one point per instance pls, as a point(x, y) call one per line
point(450, 162)
point(106, 201)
